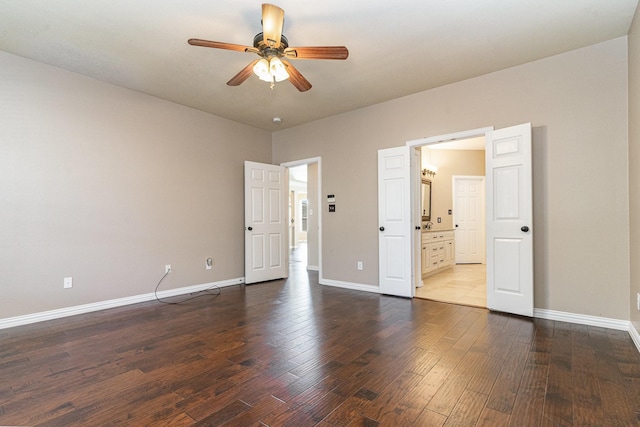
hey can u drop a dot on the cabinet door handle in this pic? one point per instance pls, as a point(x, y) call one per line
point(524, 228)
point(381, 228)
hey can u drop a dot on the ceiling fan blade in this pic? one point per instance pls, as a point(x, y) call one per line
point(297, 79)
point(272, 22)
point(317, 52)
point(220, 45)
point(243, 75)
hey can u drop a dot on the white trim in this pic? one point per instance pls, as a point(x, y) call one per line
point(313, 268)
point(635, 336)
point(472, 133)
point(103, 305)
point(581, 319)
point(350, 285)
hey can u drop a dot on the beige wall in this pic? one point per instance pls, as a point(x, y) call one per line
point(108, 185)
point(449, 163)
point(577, 103)
point(634, 164)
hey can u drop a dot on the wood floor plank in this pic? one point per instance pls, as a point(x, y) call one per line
point(492, 418)
point(253, 415)
point(430, 418)
point(506, 386)
point(293, 352)
point(386, 401)
point(225, 414)
point(558, 402)
point(467, 410)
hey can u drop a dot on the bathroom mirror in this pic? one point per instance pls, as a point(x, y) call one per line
point(426, 200)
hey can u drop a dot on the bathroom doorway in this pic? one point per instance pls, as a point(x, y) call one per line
point(453, 270)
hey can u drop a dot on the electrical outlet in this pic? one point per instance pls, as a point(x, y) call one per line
point(68, 282)
point(359, 265)
point(208, 263)
point(167, 268)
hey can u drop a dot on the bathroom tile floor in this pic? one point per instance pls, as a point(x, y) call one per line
point(461, 284)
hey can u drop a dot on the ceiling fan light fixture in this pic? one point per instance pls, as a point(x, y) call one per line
point(261, 69)
point(277, 69)
point(271, 70)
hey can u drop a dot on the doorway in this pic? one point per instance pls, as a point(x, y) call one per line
point(298, 215)
point(452, 239)
point(304, 213)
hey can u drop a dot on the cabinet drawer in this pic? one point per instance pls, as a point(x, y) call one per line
point(446, 235)
point(435, 261)
point(432, 237)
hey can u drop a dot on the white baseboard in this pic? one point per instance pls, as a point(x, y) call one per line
point(581, 319)
point(635, 336)
point(103, 305)
point(313, 268)
point(541, 313)
point(350, 285)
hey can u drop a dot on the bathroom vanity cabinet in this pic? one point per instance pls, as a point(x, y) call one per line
point(438, 251)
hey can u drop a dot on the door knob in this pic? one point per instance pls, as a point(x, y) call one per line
point(249, 228)
point(381, 228)
point(524, 228)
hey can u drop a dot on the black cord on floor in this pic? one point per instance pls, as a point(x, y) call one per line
point(194, 295)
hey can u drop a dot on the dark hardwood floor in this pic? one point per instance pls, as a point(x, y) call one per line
point(297, 353)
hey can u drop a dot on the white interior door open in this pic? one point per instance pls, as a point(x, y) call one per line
point(265, 213)
point(394, 219)
point(509, 220)
point(468, 211)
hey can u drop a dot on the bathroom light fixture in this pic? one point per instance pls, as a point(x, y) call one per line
point(430, 170)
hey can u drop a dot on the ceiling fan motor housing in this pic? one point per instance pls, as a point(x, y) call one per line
point(267, 51)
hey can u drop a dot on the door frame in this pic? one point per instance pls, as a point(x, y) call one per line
point(422, 142)
point(308, 161)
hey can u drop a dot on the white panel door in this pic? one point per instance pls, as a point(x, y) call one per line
point(265, 213)
point(468, 217)
point(509, 220)
point(394, 219)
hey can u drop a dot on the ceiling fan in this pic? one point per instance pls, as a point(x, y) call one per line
point(272, 46)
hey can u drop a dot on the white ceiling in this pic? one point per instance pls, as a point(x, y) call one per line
point(396, 47)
